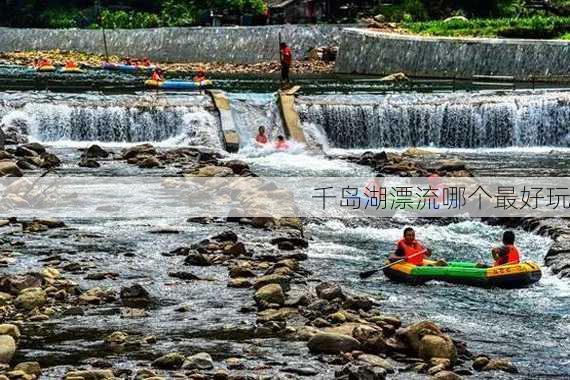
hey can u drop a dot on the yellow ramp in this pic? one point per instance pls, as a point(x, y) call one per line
point(229, 132)
point(291, 122)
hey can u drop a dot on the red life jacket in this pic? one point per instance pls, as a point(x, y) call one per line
point(262, 139)
point(513, 256)
point(411, 250)
point(156, 77)
point(281, 145)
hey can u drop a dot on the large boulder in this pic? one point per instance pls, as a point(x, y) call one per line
point(31, 298)
point(201, 361)
point(95, 151)
point(36, 147)
point(7, 349)
point(270, 294)
point(173, 360)
point(330, 343)
point(9, 169)
point(214, 171)
point(446, 375)
point(10, 329)
point(413, 334)
point(329, 291)
point(30, 368)
point(139, 150)
point(283, 281)
point(500, 364)
point(434, 346)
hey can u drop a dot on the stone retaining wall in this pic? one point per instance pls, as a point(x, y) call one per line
point(369, 52)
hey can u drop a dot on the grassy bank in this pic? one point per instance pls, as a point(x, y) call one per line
point(531, 27)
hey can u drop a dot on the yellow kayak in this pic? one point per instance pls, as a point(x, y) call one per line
point(74, 70)
point(46, 68)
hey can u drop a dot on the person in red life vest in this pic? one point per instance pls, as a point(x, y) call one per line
point(281, 144)
point(410, 249)
point(508, 253)
point(157, 75)
point(146, 62)
point(261, 138)
point(286, 60)
point(200, 76)
point(43, 62)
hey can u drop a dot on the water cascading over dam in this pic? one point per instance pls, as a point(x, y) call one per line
point(447, 121)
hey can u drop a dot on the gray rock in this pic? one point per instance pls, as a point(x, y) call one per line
point(9, 169)
point(31, 298)
point(360, 371)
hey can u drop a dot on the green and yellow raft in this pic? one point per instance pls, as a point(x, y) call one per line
point(458, 272)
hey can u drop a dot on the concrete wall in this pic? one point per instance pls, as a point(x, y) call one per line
point(222, 44)
point(368, 52)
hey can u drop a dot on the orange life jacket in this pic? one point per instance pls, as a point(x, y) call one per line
point(70, 64)
point(411, 251)
point(513, 256)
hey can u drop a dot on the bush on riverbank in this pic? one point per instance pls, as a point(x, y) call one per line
point(531, 27)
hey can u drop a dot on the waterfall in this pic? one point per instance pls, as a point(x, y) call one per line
point(450, 121)
point(130, 121)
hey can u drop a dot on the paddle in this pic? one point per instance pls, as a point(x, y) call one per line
point(369, 273)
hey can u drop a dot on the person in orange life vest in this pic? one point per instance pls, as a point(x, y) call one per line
point(200, 76)
point(408, 248)
point(261, 137)
point(286, 60)
point(157, 75)
point(69, 64)
point(508, 253)
point(281, 144)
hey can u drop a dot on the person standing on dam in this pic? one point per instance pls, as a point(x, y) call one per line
point(286, 59)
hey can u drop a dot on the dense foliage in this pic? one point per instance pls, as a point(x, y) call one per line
point(118, 14)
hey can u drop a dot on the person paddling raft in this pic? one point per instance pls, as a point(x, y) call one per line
point(70, 64)
point(261, 138)
point(410, 249)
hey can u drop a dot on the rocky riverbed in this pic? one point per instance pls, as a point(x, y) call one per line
point(199, 298)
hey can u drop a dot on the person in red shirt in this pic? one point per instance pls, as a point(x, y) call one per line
point(410, 249)
point(261, 137)
point(286, 60)
point(70, 64)
point(157, 75)
point(281, 144)
point(508, 253)
point(200, 76)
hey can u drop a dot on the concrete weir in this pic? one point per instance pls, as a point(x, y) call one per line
point(291, 121)
point(229, 132)
point(370, 52)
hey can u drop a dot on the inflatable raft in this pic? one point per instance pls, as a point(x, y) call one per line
point(458, 272)
point(128, 68)
point(178, 84)
point(46, 68)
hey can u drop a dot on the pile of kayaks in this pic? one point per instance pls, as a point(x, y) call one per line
point(458, 272)
point(178, 84)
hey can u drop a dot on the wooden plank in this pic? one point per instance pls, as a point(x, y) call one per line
point(229, 132)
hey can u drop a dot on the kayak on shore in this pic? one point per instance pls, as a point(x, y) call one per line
point(72, 70)
point(46, 68)
point(128, 68)
point(178, 84)
point(466, 273)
